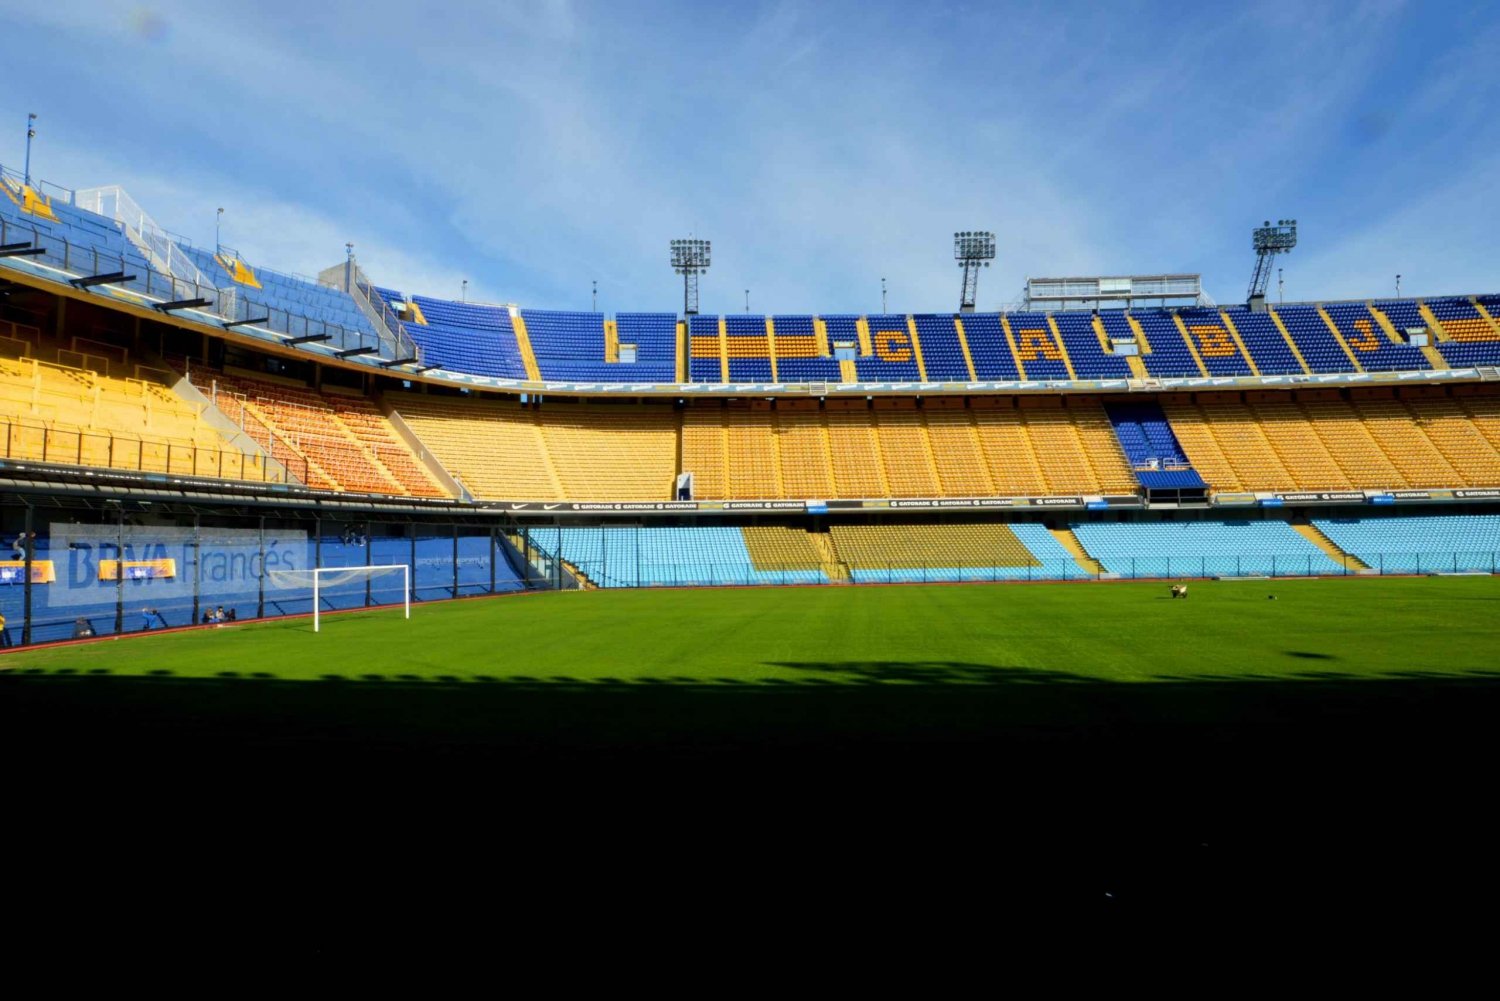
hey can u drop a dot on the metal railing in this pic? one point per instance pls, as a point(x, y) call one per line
point(230, 302)
point(22, 441)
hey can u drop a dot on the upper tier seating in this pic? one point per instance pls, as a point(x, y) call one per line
point(1211, 339)
point(468, 337)
point(1037, 351)
point(747, 348)
point(705, 350)
point(90, 243)
point(1203, 549)
point(1090, 360)
point(942, 354)
point(798, 358)
point(1169, 354)
point(570, 346)
point(1472, 338)
point(573, 346)
point(893, 356)
point(1313, 339)
point(1268, 349)
point(993, 359)
point(1440, 543)
point(655, 338)
point(290, 294)
point(1371, 344)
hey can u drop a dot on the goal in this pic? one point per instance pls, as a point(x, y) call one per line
point(329, 578)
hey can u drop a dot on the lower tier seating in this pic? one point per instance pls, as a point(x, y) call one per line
point(610, 556)
point(1419, 543)
point(1203, 549)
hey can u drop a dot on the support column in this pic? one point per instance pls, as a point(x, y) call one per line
point(28, 552)
point(197, 569)
point(260, 578)
point(120, 570)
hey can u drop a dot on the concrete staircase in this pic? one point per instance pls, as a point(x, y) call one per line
point(1069, 541)
point(1315, 535)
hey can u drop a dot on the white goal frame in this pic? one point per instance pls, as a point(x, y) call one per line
point(368, 572)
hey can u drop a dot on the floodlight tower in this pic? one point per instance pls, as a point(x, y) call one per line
point(689, 259)
point(1268, 241)
point(973, 250)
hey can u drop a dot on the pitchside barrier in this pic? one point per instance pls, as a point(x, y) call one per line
point(113, 578)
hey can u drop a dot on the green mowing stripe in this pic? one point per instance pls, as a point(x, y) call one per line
point(975, 634)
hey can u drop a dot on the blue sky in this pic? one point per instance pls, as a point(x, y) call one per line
point(532, 148)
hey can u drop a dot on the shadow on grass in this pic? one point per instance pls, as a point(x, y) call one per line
point(1030, 747)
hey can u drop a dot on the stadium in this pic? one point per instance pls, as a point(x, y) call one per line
point(505, 526)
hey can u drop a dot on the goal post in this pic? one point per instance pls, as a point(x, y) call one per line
point(325, 578)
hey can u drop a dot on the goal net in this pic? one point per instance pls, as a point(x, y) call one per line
point(343, 587)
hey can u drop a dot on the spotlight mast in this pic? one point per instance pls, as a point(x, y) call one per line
point(690, 258)
point(973, 250)
point(1268, 241)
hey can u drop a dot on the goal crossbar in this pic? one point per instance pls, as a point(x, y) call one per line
point(326, 577)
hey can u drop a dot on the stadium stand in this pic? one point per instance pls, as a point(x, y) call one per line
point(1213, 341)
point(1165, 353)
point(1145, 436)
point(1315, 341)
point(1335, 444)
point(498, 449)
point(342, 439)
point(630, 556)
point(1361, 329)
point(654, 336)
point(706, 362)
point(1412, 543)
point(1037, 352)
point(289, 293)
point(943, 356)
point(799, 357)
point(1203, 549)
point(90, 242)
point(748, 348)
point(894, 354)
point(1468, 336)
point(1086, 347)
point(987, 346)
point(467, 337)
point(1268, 350)
point(64, 405)
point(570, 346)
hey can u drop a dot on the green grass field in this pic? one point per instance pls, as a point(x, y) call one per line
point(969, 635)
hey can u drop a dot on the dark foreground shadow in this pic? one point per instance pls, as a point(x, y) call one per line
point(924, 778)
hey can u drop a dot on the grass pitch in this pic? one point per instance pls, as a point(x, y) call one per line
point(972, 635)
